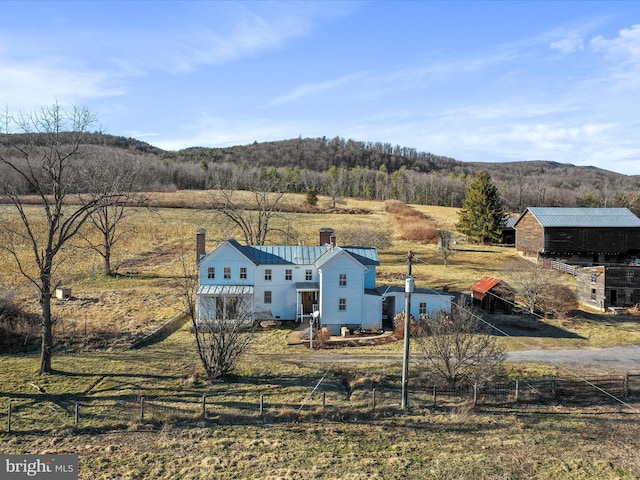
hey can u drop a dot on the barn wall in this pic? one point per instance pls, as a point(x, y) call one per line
point(591, 239)
point(611, 286)
point(529, 235)
point(590, 287)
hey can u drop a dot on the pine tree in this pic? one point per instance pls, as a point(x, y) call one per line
point(482, 215)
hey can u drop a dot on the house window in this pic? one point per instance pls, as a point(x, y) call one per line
point(629, 277)
point(308, 275)
point(423, 308)
point(267, 296)
point(343, 280)
point(342, 304)
point(288, 274)
point(594, 277)
point(267, 274)
point(593, 294)
point(243, 272)
point(227, 272)
point(211, 272)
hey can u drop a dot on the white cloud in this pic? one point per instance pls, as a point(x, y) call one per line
point(570, 44)
point(27, 85)
point(624, 49)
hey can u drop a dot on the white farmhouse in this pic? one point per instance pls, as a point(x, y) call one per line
point(335, 284)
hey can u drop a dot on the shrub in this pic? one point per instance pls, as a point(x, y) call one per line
point(423, 232)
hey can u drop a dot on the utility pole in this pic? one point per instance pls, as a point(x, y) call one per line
point(408, 290)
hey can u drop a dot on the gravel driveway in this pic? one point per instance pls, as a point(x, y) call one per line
point(612, 358)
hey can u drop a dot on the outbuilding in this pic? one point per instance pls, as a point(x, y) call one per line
point(493, 295)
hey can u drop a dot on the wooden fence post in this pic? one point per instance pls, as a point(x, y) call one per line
point(76, 422)
point(553, 387)
point(475, 393)
point(374, 399)
point(324, 400)
point(435, 396)
point(517, 390)
point(9, 412)
point(141, 409)
point(626, 385)
point(261, 404)
point(204, 406)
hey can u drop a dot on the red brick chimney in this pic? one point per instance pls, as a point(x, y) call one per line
point(327, 236)
point(201, 248)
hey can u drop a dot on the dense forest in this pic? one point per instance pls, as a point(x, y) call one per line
point(349, 168)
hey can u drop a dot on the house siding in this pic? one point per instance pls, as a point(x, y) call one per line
point(331, 292)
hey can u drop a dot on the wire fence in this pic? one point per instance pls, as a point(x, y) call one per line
point(54, 413)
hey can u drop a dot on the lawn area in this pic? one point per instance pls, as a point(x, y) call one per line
point(141, 411)
point(348, 439)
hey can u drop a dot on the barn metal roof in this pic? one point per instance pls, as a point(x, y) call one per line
point(584, 217)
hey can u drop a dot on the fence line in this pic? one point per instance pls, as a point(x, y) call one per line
point(87, 412)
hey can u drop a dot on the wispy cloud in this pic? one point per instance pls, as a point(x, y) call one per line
point(572, 43)
point(316, 88)
point(27, 85)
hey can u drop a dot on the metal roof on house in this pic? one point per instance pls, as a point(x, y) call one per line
point(302, 254)
point(283, 254)
point(395, 289)
point(584, 217)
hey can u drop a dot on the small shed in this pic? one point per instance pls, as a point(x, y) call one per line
point(493, 295)
point(509, 231)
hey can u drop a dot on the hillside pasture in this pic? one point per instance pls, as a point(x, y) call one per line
point(142, 296)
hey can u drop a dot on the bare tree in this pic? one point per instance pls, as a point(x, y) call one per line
point(457, 349)
point(222, 338)
point(445, 248)
point(532, 283)
point(114, 190)
point(261, 215)
point(49, 164)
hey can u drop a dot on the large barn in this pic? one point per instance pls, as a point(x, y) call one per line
point(582, 236)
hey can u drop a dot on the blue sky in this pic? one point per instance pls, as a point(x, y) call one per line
point(476, 81)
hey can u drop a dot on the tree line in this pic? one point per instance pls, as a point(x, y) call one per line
point(347, 168)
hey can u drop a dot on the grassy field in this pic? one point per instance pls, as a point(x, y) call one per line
point(347, 439)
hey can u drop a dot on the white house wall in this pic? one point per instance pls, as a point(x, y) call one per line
point(284, 298)
point(435, 303)
point(372, 319)
point(331, 292)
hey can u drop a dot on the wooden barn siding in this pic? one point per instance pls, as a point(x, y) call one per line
point(598, 240)
point(614, 278)
point(529, 235)
point(584, 286)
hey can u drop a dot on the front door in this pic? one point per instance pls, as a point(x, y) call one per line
point(309, 301)
point(613, 299)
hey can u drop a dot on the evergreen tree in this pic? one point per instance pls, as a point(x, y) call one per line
point(482, 215)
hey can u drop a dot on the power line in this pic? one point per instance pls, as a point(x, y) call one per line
point(549, 360)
